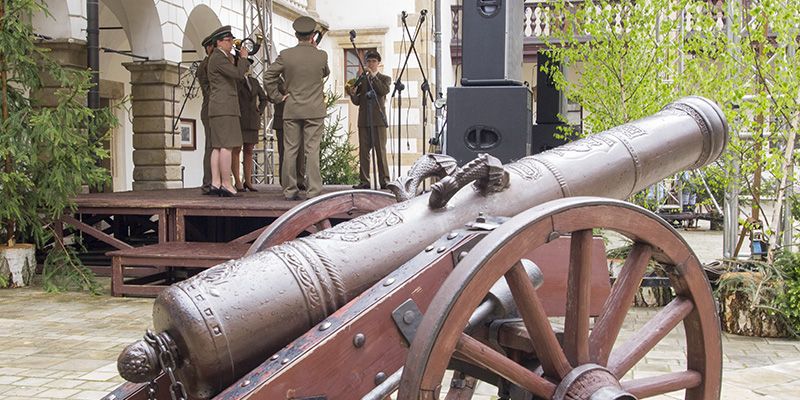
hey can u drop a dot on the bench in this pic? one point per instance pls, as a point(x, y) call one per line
point(165, 259)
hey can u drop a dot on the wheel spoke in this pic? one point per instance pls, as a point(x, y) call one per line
point(656, 385)
point(623, 358)
point(608, 324)
point(322, 225)
point(543, 339)
point(576, 320)
point(486, 357)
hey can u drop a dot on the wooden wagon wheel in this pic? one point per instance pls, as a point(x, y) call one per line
point(315, 214)
point(586, 363)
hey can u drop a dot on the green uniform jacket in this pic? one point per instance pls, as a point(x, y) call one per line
point(380, 83)
point(303, 68)
point(223, 77)
point(252, 102)
point(205, 88)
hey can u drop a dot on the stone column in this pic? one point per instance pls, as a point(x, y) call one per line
point(68, 53)
point(156, 154)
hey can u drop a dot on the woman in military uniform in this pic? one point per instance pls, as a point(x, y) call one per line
point(252, 102)
point(223, 108)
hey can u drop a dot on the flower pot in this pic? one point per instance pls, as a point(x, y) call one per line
point(17, 265)
point(741, 314)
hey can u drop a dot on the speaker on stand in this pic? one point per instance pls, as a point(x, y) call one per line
point(491, 45)
point(492, 112)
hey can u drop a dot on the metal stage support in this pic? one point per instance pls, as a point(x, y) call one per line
point(258, 21)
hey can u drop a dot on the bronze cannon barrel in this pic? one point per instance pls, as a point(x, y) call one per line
point(226, 320)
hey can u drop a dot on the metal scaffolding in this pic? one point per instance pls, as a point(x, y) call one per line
point(258, 23)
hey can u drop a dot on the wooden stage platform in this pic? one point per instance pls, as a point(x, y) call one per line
point(119, 223)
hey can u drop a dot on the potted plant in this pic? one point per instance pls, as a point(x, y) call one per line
point(750, 294)
point(46, 153)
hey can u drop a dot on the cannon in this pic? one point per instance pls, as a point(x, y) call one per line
point(492, 274)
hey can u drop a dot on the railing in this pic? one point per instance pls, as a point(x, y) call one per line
point(540, 21)
point(538, 15)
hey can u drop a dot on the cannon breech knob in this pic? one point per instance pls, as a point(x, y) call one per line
point(138, 363)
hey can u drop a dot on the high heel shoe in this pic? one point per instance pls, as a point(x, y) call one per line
point(241, 189)
point(223, 192)
point(214, 191)
point(250, 187)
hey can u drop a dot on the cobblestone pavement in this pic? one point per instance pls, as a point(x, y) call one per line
point(64, 346)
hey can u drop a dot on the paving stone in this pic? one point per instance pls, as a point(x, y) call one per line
point(88, 395)
point(23, 391)
point(96, 385)
point(7, 379)
point(58, 393)
point(32, 382)
point(64, 383)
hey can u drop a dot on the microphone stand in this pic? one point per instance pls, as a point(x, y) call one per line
point(371, 97)
point(398, 86)
point(426, 89)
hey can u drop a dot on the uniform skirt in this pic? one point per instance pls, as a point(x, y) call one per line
point(250, 136)
point(225, 132)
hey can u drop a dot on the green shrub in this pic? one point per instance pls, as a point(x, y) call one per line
point(788, 302)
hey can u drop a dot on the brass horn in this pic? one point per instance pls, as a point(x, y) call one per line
point(252, 45)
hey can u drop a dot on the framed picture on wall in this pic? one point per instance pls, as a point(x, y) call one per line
point(188, 134)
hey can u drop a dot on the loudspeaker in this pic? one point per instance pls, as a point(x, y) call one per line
point(488, 119)
point(548, 99)
point(491, 45)
point(544, 139)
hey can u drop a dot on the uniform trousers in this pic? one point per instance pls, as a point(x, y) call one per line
point(365, 144)
point(309, 133)
point(301, 165)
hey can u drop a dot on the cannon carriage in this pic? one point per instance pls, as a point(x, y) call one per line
point(495, 274)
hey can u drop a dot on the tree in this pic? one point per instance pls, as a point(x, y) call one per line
point(634, 57)
point(337, 160)
point(47, 153)
point(622, 49)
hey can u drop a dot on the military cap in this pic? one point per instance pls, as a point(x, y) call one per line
point(207, 41)
point(304, 25)
point(221, 33)
point(373, 54)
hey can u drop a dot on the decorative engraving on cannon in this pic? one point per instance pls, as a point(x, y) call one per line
point(365, 226)
point(526, 168)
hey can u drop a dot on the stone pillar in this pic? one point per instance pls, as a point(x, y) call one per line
point(66, 52)
point(156, 154)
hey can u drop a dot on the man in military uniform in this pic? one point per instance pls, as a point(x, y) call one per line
point(371, 120)
point(303, 68)
point(223, 108)
point(205, 89)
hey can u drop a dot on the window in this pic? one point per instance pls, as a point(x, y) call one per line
point(351, 64)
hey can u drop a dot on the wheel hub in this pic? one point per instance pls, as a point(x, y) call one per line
point(591, 382)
